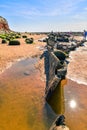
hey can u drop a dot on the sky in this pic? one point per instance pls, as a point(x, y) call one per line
point(45, 15)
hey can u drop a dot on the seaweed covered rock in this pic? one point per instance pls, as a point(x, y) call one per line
point(24, 36)
point(17, 36)
point(62, 39)
point(4, 41)
point(14, 42)
point(29, 40)
point(60, 55)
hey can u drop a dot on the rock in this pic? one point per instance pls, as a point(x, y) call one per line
point(60, 54)
point(4, 27)
point(59, 124)
point(52, 85)
point(61, 128)
point(61, 73)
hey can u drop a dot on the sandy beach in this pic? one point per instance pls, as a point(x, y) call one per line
point(19, 84)
point(10, 54)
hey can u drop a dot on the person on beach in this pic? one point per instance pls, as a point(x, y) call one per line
point(85, 35)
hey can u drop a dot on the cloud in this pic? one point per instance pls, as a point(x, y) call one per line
point(45, 15)
point(85, 8)
point(44, 8)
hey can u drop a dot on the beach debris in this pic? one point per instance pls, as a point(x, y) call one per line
point(14, 42)
point(29, 40)
point(27, 73)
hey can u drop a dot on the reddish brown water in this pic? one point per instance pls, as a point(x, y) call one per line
point(56, 101)
point(22, 105)
point(76, 105)
point(70, 99)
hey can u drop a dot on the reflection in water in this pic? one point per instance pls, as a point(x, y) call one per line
point(57, 99)
point(73, 104)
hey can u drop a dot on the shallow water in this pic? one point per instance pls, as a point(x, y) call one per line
point(76, 90)
point(22, 105)
point(56, 101)
point(70, 99)
point(75, 105)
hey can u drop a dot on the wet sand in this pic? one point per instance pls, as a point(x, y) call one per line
point(76, 90)
point(77, 68)
point(10, 54)
point(75, 105)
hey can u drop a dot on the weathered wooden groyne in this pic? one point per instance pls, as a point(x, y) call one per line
point(56, 53)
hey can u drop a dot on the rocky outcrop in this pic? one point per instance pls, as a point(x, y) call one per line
point(4, 27)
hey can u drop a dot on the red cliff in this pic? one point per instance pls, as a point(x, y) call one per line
point(4, 27)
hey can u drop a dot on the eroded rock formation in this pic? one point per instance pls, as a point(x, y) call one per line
point(4, 27)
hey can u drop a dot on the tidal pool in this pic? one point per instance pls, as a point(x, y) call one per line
point(70, 99)
point(22, 103)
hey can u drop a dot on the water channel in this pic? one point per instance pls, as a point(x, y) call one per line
point(22, 103)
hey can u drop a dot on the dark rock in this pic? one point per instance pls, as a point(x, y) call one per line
point(59, 124)
point(61, 73)
point(60, 54)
